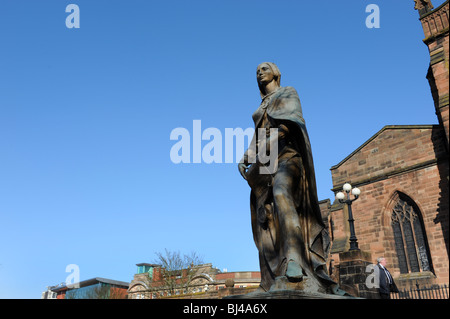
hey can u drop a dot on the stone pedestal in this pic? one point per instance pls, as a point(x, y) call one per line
point(283, 289)
point(353, 275)
point(287, 294)
point(352, 279)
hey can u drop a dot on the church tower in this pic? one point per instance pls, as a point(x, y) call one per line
point(435, 24)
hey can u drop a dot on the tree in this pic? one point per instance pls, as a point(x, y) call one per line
point(176, 272)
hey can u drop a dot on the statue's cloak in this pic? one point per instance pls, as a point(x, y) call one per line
point(284, 106)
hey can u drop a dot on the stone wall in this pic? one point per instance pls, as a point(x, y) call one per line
point(409, 160)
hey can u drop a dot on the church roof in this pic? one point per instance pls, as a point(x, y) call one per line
point(385, 128)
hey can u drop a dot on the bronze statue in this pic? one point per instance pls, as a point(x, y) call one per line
point(287, 224)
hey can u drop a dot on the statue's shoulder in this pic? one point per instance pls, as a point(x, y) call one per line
point(288, 93)
point(288, 90)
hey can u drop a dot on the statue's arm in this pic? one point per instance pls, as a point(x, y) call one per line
point(250, 154)
point(282, 131)
point(249, 157)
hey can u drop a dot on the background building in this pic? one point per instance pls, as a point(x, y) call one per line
point(95, 288)
point(403, 174)
point(205, 282)
point(49, 294)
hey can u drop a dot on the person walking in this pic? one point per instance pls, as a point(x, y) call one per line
point(386, 283)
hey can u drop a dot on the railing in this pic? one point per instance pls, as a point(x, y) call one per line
point(433, 292)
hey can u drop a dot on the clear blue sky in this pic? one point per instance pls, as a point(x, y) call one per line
point(86, 116)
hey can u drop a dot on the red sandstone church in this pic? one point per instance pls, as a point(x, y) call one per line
point(403, 174)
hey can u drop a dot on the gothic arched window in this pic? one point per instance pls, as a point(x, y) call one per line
point(409, 236)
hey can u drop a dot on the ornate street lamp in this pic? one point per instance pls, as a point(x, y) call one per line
point(341, 197)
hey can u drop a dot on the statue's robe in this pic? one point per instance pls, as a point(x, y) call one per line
point(310, 239)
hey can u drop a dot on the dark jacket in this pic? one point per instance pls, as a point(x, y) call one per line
point(384, 286)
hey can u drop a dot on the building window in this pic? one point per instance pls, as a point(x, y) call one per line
point(409, 236)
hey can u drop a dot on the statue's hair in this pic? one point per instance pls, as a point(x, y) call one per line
point(379, 259)
point(276, 73)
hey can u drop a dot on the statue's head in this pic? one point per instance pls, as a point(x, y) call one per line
point(267, 72)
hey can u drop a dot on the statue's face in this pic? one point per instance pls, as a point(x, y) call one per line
point(264, 73)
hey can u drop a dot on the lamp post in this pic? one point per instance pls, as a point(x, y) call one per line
point(341, 197)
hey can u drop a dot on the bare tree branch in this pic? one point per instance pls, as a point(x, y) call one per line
point(177, 271)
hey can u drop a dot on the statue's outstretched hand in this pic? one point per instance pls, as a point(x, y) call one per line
point(242, 169)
